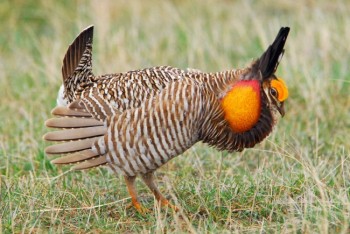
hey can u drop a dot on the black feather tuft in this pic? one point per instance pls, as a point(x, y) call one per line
point(269, 60)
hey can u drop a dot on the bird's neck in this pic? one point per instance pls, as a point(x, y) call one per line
point(217, 130)
point(241, 105)
point(217, 82)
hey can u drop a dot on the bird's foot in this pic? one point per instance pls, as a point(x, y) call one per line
point(140, 208)
point(166, 203)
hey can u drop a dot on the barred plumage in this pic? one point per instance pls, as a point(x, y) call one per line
point(129, 89)
point(137, 121)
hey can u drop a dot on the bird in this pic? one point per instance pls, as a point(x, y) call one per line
point(135, 122)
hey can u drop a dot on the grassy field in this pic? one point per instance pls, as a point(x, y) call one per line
point(296, 181)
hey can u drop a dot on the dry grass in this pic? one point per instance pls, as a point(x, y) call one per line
point(298, 180)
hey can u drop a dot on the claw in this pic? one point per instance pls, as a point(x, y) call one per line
point(140, 208)
point(166, 203)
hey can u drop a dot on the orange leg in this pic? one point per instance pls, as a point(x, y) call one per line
point(148, 178)
point(130, 183)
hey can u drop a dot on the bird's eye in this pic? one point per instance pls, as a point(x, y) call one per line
point(273, 92)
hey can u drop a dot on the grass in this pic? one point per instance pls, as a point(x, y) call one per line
point(296, 181)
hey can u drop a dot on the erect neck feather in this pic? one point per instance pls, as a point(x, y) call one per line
point(242, 105)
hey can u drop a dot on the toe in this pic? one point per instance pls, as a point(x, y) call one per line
point(166, 203)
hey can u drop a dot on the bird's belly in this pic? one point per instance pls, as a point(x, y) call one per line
point(145, 156)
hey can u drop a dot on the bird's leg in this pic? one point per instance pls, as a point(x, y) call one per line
point(130, 183)
point(148, 178)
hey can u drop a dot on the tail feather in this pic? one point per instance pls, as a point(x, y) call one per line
point(77, 105)
point(69, 122)
point(95, 162)
point(75, 134)
point(76, 157)
point(71, 146)
point(76, 50)
point(77, 65)
point(64, 111)
point(78, 131)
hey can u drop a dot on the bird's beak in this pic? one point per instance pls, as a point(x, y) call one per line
point(281, 109)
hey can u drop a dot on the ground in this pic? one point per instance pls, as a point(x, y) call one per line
point(296, 181)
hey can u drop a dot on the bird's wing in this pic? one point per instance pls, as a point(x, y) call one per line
point(142, 138)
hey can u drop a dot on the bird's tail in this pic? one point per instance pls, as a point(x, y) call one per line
point(77, 64)
point(81, 124)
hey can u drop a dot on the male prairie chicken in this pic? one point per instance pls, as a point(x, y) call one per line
point(135, 122)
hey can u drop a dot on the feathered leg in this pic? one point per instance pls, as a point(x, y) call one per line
point(148, 178)
point(130, 183)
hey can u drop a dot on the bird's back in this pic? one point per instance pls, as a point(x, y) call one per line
point(130, 89)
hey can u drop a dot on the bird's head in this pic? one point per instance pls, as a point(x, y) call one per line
point(276, 92)
point(264, 69)
point(242, 103)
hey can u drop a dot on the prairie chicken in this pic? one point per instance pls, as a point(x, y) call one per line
point(136, 121)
